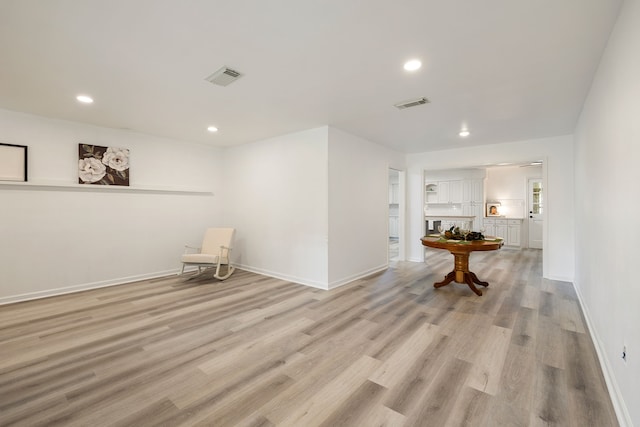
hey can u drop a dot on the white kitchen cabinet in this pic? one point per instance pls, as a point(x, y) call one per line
point(513, 232)
point(508, 229)
point(431, 193)
point(489, 226)
point(443, 192)
point(502, 229)
point(393, 226)
point(455, 191)
point(472, 191)
point(394, 194)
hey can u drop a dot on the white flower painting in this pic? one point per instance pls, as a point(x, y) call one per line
point(103, 165)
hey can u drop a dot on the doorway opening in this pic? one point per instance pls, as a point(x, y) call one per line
point(535, 207)
point(396, 219)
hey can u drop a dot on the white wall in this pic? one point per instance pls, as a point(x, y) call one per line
point(358, 206)
point(274, 192)
point(557, 154)
point(56, 240)
point(454, 174)
point(607, 206)
point(276, 195)
point(509, 185)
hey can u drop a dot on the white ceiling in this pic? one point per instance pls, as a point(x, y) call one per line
point(509, 70)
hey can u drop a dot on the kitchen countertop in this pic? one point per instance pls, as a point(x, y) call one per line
point(449, 216)
point(503, 217)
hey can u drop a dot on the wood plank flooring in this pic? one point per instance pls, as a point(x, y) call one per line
point(388, 350)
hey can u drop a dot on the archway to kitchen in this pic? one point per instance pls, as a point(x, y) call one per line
point(558, 183)
point(462, 197)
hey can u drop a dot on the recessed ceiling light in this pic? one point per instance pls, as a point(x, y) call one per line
point(212, 129)
point(535, 163)
point(84, 99)
point(464, 133)
point(412, 65)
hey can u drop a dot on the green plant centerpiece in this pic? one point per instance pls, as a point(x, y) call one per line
point(454, 233)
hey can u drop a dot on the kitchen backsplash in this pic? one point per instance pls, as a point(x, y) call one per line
point(511, 208)
point(452, 209)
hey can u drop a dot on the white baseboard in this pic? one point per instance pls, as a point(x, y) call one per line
point(84, 287)
point(559, 278)
point(624, 419)
point(122, 280)
point(312, 283)
point(289, 278)
point(349, 279)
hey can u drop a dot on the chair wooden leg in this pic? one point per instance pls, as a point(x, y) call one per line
point(206, 269)
point(230, 270)
point(201, 271)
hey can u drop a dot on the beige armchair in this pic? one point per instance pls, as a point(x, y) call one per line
point(214, 252)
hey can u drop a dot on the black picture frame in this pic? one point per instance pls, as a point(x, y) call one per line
point(13, 162)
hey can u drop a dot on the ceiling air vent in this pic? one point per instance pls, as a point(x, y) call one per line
point(224, 76)
point(411, 103)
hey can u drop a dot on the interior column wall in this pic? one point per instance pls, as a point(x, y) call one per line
point(358, 206)
point(276, 196)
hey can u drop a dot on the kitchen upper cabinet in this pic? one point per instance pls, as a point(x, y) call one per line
point(455, 191)
point(393, 226)
point(394, 194)
point(472, 191)
point(431, 193)
point(443, 192)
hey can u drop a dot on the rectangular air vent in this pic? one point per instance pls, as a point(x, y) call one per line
point(224, 76)
point(411, 103)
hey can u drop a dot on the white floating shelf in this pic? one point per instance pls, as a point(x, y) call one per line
point(65, 186)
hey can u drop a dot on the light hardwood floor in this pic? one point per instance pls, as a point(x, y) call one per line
point(257, 351)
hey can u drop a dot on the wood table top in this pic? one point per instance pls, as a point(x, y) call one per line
point(462, 245)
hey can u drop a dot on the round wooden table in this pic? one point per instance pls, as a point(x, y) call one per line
point(461, 251)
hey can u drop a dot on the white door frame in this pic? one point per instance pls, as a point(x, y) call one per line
point(401, 213)
point(533, 218)
point(402, 189)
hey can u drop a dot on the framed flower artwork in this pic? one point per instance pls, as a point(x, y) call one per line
point(103, 165)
